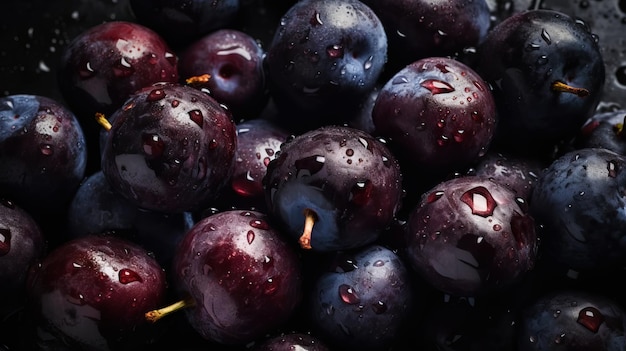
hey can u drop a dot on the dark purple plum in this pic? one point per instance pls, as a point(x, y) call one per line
point(603, 130)
point(182, 21)
point(103, 65)
point(547, 74)
point(578, 203)
point(233, 61)
point(43, 155)
point(292, 341)
point(426, 28)
point(170, 148)
point(237, 276)
point(258, 143)
point(22, 244)
point(572, 320)
point(520, 174)
point(363, 301)
point(438, 114)
point(333, 188)
point(97, 209)
point(91, 293)
point(324, 59)
point(470, 236)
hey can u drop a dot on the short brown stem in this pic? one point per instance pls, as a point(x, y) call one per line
point(565, 88)
point(310, 217)
point(203, 78)
point(155, 315)
point(101, 119)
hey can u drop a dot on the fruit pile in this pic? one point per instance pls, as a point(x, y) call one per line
point(313, 175)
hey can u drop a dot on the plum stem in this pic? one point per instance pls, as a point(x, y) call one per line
point(203, 78)
point(101, 119)
point(155, 315)
point(309, 221)
point(565, 88)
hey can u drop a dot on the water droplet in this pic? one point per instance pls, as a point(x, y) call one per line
point(368, 63)
point(86, 71)
point(196, 116)
point(437, 86)
point(7, 203)
point(46, 149)
point(260, 224)
point(5, 241)
point(546, 36)
point(250, 236)
point(155, 95)
point(434, 196)
point(542, 60)
point(497, 227)
point(127, 276)
point(171, 58)
point(591, 318)
point(316, 20)
point(612, 168)
point(532, 46)
point(153, 145)
point(335, 51)
point(348, 295)
point(246, 185)
point(399, 80)
point(480, 201)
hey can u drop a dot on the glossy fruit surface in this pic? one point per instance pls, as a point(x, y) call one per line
point(42, 152)
point(233, 61)
point(547, 74)
point(243, 277)
point(333, 188)
point(324, 53)
point(92, 292)
point(469, 236)
point(438, 114)
point(171, 148)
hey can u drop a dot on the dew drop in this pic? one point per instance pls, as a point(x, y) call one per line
point(497, 227)
point(379, 307)
point(361, 193)
point(368, 63)
point(546, 36)
point(123, 68)
point(434, 196)
point(480, 201)
point(86, 71)
point(46, 149)
point(335, 51)
point(400, 80)
point(316, 19)
point(155, 95)
point(260, 224)
point(590, 318)
point(5, 241)
point(153, 145)
point(437, 86)
point(250, 236)
point(348, 295)
point(612, 168)
point(196, 116)
point(127, 276)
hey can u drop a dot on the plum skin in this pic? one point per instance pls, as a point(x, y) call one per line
point(244, 277)
point(469, 236)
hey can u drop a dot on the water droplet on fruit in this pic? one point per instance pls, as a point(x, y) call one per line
point(270, 286)
point(591, 318)
point(155, 95)
point(5, 241)
point(437, 86)
point(348, 295)
point(368, 63)
point(316, 20)
point(250, 236)
point(532, 46)
point(171, 58)
point(434, 196)
point(612, 168)
point(497, 227)
point(153, 145)
point(378, 263)
point(123, 68)
point(361, 193)
point(335, 51)
point(260, 224)
point(46, 149)
point(546, 36)
point(480, 201)
point(127, 276)
point(400, 80)
point(7, 203)
point(542, 60)
point(196, 116)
